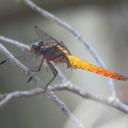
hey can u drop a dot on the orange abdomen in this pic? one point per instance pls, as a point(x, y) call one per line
point(76, 62)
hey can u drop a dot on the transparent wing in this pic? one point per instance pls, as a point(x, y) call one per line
point(44, 36)
point(47, 38)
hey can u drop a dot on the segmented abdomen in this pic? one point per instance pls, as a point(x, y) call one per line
point(76, 62)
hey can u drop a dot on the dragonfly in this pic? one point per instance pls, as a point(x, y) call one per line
point(51, 50)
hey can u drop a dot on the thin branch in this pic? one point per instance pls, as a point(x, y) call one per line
point(14, 42)
point(69, 28)
point(49, 93)
point(5, 98)
point(116, 103)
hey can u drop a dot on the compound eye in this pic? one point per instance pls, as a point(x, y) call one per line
point(35, 43)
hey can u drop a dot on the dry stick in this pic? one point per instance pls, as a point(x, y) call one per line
point(84, 94)
point(49, 93)
point(69, 28)
point(14, 42)
point(5, 98)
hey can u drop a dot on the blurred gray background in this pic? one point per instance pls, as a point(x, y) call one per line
point(104, 23)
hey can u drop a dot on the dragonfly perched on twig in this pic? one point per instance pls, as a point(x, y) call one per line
point(52, 50)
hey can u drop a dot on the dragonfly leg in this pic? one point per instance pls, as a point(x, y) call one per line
point(55, 73)
point(36, 69)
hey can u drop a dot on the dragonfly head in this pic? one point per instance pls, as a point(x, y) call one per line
point(35, 45)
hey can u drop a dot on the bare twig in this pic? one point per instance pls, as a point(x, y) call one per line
point(69, 28)
point(5, 98)
point(13, 42)
point(84, 94)
point(49, 93)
